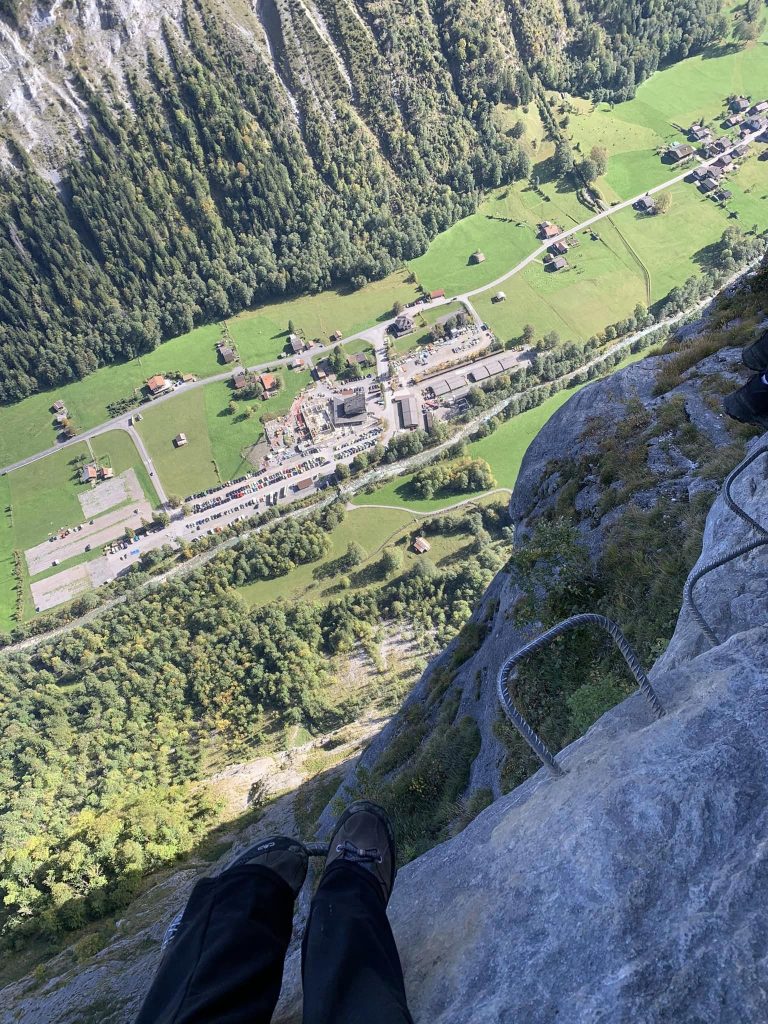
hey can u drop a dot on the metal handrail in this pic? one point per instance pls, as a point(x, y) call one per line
point(742, 549)
point(531, 737)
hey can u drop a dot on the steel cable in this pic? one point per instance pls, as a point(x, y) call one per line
point(529, 735)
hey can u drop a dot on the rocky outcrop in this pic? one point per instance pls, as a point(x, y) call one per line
point(632, 888)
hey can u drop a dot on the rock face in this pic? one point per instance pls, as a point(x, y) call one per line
point(633, 888)
point(630, 890)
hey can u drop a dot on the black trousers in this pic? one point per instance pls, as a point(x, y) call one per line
point(225, 964)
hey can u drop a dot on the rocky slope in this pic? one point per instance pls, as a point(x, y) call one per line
point(632, 887)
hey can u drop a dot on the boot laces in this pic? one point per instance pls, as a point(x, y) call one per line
point(357, 855)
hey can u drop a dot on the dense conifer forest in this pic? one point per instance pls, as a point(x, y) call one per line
point(212, 174)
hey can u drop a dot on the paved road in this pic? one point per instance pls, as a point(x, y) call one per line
point(435, 511)
point(373, 334)
point(601, 216)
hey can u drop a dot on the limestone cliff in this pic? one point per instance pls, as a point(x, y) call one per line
point(631, 889)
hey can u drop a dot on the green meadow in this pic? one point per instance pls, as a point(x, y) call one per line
point(216, 437)
point(259, 336)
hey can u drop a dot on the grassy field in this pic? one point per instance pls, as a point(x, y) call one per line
point(603, 284)
point(504, 229)
point(686, 93)
point(373, 529)
point(7, 583)
point(115, 448)
point(44, 497)
point(215, 437)
point(260, 335)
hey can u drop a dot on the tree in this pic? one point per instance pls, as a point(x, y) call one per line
point(550, 341)
point(397, 308)
point(161, 519)
point(391, 560)
point(529, 333)
point(588, 170)
point(663, 202)
point(599, 157)
point(174, 501)
point(355, 554)
point(342, 471)
point(563, 159)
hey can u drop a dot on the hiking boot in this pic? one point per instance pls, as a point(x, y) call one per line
point(364, 836)
point(288, 858)
point(750, 403)
point(755, 356)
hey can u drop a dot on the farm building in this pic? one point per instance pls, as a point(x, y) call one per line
point(226, 352)
point(723, 195)
point(738, 104)
point(646, 205)
point(409, 412)
point(438, 294)
point(61, 418)
point(238, 380)
point(403, 325)
point(477, 257)
point(733, 120)
point(89, 475)
point(337, 336)
point(548, 230)
point(558, 263)
point(680, 152)
point(421, 545)
point(699, 133)
point(106, 473)
point(268, 382)
point(157, 385)
point(58, 406)
point(180, 440)
point(357, 359)
point(188, 378)
point(320, 373)
point(499, 297)
point(558, 248)
point(295, 343)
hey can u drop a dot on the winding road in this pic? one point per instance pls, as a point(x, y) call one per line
point(373, 334)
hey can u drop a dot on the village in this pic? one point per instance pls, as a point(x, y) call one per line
point(406, 374)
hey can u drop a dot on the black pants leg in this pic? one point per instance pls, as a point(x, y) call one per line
point(350, 967)
point(225, 964)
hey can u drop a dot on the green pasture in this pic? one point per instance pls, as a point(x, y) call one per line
point(504, 229)
point(42, 497)
point(373, 529)
point(694, 90)
point(216, 437)
point(604, 283)
point(7, 582)
point(259, 335)
point(115, 448)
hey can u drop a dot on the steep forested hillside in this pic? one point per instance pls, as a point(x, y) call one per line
point(168, 164)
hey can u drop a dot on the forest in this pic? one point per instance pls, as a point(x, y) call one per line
point(207, 180)
point(104, 731)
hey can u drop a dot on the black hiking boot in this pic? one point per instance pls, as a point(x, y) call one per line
point(755, 356)
point(288, 858)
point(750, 403)
point(364, 836)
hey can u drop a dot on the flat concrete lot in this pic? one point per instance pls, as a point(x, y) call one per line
point(104, 529)
point(125, 487)
point(60, 588)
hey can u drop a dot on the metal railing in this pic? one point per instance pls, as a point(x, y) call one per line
point(742, 549)
point(531, 737)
